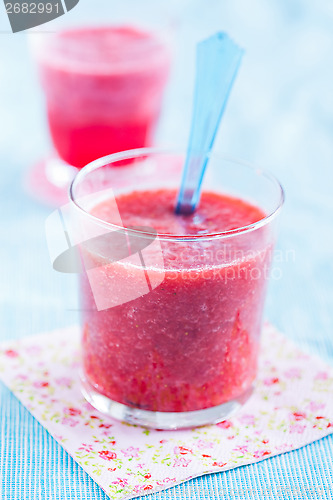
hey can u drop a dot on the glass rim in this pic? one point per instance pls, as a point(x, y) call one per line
point(136, 153)
point(40, 50)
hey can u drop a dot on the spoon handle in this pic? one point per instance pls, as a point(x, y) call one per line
point(217, 62)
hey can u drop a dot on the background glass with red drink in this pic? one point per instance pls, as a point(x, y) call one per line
point(103, 89)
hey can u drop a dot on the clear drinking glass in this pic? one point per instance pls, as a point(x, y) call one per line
point(103, 87)
point(170, 322)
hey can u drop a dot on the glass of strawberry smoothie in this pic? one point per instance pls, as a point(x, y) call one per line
point(172, 305)
point(103, 87)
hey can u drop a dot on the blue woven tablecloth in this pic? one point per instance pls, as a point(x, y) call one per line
point(280, 115)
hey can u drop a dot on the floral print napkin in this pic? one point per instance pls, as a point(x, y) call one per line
point(292, 405)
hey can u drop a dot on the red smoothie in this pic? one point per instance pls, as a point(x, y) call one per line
point(103, 88)
point(192, 342)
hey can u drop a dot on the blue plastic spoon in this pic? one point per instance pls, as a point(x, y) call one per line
point(217, 61)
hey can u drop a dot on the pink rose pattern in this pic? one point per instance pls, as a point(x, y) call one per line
point(291, 406)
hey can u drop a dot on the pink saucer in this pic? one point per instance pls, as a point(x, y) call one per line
point(48, 181)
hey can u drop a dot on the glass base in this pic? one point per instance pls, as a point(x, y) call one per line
point(162, 420)
point(48, 181)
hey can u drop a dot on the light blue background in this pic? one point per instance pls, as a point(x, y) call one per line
point(280, 115)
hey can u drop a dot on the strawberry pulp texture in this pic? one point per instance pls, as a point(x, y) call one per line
point(192, 342)
point(104, 89)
